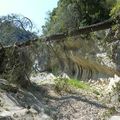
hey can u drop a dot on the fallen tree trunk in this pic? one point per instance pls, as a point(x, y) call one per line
point(84, 30)
point(60, 36)
point(20, 67)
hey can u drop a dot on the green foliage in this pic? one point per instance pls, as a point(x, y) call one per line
point(115, 10)
point(82, 85)
point(69, 85)
point(72, 14)
point(79, 84)
point(63, 84)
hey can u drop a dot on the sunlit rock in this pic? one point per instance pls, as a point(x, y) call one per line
point(64, 75)
point(115, 118)
point(112, 82)
point(43, 78)
point(105, 60)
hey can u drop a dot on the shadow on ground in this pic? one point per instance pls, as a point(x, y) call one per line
point(37, 97)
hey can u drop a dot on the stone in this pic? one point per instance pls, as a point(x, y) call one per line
point(115, 118)
point(112, 83)
point(64, 75)
point(33, 111)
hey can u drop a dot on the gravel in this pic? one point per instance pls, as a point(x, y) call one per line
point(42, 102)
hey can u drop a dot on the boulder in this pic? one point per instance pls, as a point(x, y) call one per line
point(112, 83)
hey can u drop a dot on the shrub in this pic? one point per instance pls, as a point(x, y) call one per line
point(17, 66)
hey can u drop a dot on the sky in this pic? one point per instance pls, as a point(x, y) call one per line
point(36, 10)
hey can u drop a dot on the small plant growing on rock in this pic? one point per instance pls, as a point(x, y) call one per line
point(61, 84)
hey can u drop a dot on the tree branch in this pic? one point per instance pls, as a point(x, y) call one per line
point(60, 36)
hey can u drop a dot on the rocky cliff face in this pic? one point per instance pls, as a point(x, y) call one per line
point(82, 56)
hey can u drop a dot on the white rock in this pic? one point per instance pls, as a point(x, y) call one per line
point(112, 82)
point(50, 76)
point(105, 60)
point(33, 111)
point(64, 75)
point(43, 78)
point(115, 118)
point(114, 99)
point(103, 81)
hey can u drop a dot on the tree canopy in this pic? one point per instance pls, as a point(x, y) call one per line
point(72, 14)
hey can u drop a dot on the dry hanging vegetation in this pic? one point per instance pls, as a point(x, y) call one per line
point(15, 65)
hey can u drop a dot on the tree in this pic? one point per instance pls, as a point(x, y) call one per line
point(16, 62)
point(15, 28)
point(72, 14)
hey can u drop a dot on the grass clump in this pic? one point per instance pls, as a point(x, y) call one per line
point(63, 84)
point(67, 85)
point(78, 84)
